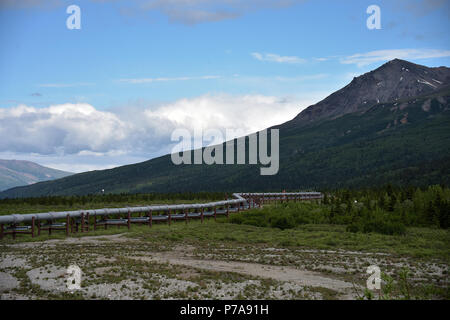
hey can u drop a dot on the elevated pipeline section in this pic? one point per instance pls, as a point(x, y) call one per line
point(156, 213)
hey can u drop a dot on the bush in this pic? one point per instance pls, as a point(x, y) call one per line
point(384, 227)
point(353, 228)
point(282, 222)
point(237, 219)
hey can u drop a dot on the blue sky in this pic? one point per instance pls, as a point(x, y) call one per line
point(137, 69)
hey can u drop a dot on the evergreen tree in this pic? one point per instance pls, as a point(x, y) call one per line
point(392, 202)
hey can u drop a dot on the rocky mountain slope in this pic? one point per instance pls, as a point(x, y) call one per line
point(393, 81)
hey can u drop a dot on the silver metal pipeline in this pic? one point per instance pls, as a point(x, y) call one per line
point(239, 198)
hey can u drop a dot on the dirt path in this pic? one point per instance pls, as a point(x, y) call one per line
point(288, 274)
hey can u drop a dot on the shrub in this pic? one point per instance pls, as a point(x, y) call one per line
point(353, 228)
point(282, 222)
point(237, 219)
point(384, 227)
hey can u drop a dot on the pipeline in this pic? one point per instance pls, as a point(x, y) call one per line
point(241, 201)
point(20, 218)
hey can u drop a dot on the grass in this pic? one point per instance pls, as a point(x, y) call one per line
point(417, 242)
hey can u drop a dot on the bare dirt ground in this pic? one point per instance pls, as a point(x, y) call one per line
point(292, 275)
point(118, 267)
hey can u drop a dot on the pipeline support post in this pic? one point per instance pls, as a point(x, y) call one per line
point(150, 219)
point(67, 225)
point(32, 227)
point(82, 222)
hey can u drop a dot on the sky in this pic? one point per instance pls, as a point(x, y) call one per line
point(112, 92)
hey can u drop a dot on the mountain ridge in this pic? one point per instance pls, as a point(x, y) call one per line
point(379, 85)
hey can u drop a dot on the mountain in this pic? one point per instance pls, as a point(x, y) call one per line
point(366, 134)
point(395, 80)
point(15, 173)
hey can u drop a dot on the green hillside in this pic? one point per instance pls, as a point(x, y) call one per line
point(402, 143)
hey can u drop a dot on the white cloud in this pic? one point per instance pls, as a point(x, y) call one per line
point(77, 137)
point(317, 76)
point(248, 112)
point(191, 12)
point(272, 57)
point(165, 79)
point(423, 7)
point(26, 4)
point(363, 59)
point(67, 127)
point(65, 85)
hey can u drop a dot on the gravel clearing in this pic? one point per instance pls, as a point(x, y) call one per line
point(117, 267)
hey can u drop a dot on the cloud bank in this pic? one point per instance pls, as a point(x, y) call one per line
point(191, 12)
point(363, 59)
point(272, 57)
point(166, 79)
point(81, 130)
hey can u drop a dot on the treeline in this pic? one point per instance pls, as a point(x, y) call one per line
point(70, 201)
point(370, 209)
point(386, 210)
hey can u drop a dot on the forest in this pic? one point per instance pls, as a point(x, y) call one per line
point(387, 210)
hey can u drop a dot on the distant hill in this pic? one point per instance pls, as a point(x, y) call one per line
point(15, 173)
point(391, 125)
